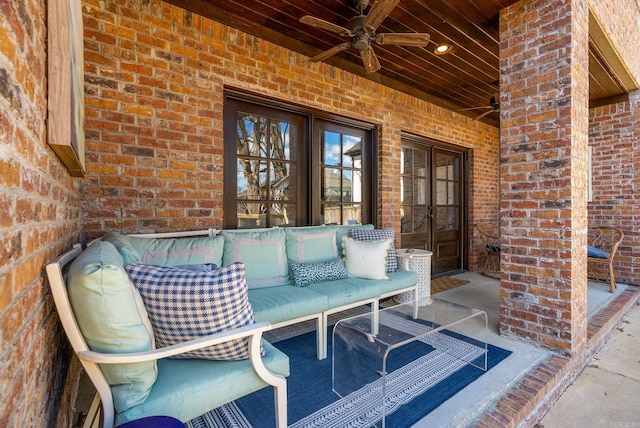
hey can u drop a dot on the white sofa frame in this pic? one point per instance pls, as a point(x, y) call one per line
point(90, 360)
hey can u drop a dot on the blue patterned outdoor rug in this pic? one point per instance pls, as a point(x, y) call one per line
point(424, 376)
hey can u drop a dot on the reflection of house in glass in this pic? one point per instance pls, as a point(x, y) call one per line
point(342, 188)
point(332, 188)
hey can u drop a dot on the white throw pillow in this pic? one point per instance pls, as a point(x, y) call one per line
point(366, 259)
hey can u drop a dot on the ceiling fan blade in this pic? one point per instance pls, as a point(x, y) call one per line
point(370, 60)
point(476, 108)
point(403, 39)
point(484, 114)
point(325, 25)
point(326, 54)
point(378, 12)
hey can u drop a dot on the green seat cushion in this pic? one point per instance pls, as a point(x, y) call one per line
point(187, 388)
point(286, 302)
point(104, 304)
point(352, 290)
point(397, 280)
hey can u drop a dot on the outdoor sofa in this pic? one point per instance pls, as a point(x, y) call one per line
point(291, 275)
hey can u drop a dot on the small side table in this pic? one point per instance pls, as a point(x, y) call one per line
point(418, 261)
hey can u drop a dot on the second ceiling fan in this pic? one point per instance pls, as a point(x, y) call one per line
point(361, 30)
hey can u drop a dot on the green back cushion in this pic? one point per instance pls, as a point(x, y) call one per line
point(263, 254)
point(311, 244)
point(178, 251)
point(103, 301)
point(344, 230)
point(124, 247)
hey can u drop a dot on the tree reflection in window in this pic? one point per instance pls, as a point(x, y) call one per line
point(265, 171)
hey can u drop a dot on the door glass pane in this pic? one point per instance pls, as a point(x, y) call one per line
point(406, 160)
point(419, 218)
point(441, 192)
point(347, 186)
point(452, 194)
point(407, 190)
point(420, 163)
point(406, 223)
point(420, 191)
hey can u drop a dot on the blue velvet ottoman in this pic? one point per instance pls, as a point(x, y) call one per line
point(154, 422)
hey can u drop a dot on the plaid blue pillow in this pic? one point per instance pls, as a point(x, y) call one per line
point(375, 235)
point(185, 305)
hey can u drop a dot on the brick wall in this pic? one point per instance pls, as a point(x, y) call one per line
point(614, 135)
point(619, 20)
point(155, 78)
point(543, 174)
point(39, 218)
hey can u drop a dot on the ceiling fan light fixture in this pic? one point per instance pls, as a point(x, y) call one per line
point(443, 49)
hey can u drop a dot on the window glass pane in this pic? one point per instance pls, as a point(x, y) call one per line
point(251, 178)
point(331, 213)
point(251, 130)
point(281, 174)
point(281, 135)
point(283, 215)
point(352, 214)
point(356, 186)
point(331, 184)
point(251, 214)
point(331, 148)
point(347, 186)
point(352, 151)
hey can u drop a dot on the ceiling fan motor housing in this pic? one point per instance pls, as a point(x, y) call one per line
point(361, 37)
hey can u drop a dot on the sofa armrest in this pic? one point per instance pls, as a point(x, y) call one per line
point(253, 331)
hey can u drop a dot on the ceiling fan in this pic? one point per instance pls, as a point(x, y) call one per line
point(361, 31)
point(494, 106)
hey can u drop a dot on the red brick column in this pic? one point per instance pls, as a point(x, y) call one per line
point(543, 172)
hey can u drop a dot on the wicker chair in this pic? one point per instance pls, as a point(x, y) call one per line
point(603, 245)
point(490, 235)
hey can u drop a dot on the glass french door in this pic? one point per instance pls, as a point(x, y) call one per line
point(433, 203)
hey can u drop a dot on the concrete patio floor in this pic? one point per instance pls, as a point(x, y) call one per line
point(468, 406)
point(476, 404)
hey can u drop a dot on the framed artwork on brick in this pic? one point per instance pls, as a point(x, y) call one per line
point(66, 83)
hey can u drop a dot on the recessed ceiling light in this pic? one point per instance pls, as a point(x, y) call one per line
point(443, 49)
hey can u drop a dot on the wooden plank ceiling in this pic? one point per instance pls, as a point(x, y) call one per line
point(466, 78)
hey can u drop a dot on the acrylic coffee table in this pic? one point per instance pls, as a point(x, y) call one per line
point(371, 351)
